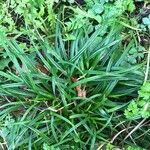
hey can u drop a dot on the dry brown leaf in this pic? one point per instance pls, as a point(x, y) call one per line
point(42, 68)
point(80, 92)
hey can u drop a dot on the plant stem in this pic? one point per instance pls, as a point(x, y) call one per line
point(147, 66)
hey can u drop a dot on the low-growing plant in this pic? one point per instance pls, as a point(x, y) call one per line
point(72, 84)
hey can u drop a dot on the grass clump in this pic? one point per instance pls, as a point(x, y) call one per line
point(70, 88)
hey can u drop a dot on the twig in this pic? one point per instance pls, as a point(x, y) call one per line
point(119, 134)
point(135, 129)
